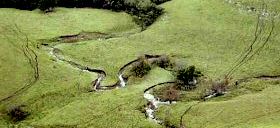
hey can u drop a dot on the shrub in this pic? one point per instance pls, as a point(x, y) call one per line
point(186, 78)
point(220, 87)
point(47, 5)
point(16, 113)
point(159, 1)
point(146, 16)
point(164, 62)
point(170, 94)
point(141, 68)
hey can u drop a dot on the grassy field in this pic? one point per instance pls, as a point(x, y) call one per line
point(209, 34)
point(272, 5)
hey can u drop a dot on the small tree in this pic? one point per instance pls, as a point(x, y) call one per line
point(186, 78)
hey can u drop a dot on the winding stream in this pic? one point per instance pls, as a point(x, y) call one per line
point(56, 53)
point(153, 103)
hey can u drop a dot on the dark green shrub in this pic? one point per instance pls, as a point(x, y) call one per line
point(141, 68)
point(16, 113)
point(159, 1)
point(146, 16)
point(47, 5)
point(186, 78)
point(164, 62)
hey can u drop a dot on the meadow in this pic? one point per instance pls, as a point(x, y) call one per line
point(210, 34)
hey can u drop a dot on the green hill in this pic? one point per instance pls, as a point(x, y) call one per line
point(210, 34)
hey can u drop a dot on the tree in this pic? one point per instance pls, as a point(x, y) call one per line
point(187, 78)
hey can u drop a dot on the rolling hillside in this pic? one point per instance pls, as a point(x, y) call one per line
point(210, 34)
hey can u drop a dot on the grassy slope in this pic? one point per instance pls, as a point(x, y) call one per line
point(64, 21)
point(272, 5)
point(209, 34)
point(254, 109)
point(58, 81)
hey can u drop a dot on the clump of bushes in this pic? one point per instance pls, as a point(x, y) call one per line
point(170, 94)
point(218, 88)
point(141, 68)
point(159, 1)
point(16, 113)
point(186, 79)
point(164, 62)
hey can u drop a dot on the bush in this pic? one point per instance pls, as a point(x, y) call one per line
point(159, 1)
point(17, 113)
point(186, 78)
point(220, 87)
point(164, 62)
point(141, 68)
point(47, 5)
point(170, 94)
point(146, 16)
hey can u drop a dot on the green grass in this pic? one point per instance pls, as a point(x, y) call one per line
point(250, 110)
point(209, 34)
point(272, 5)
point(39, 26)
point(206, 37)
